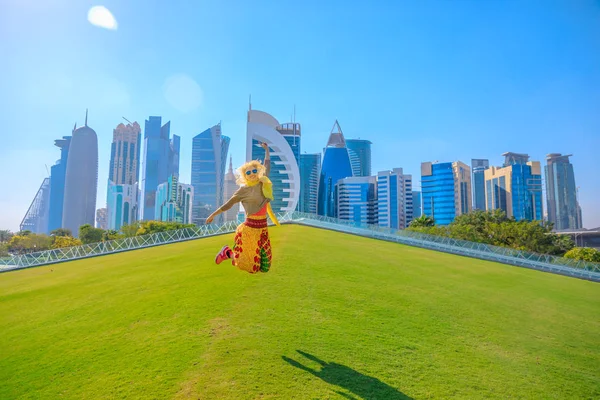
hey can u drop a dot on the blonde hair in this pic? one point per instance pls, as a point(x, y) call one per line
point(241, 178)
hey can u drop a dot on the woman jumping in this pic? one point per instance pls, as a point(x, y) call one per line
point(252, 248)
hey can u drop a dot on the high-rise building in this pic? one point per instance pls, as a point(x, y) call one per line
point(161, 160)
point(359, 151)
point(417, 209)
point(229, 189)
point(310, 169)
point(36, 217)
point(445, 190)
point(515, 188)
point(81, 180)
point(209, 157)
point(478, 167)
point(284, 144)
point(561, 192)
point(57, 184)
point(122, 200)
point(102, 218)
point(122, 205)
point(357, 199)
point(174, 201)
point(336, 166)
point(394, 199)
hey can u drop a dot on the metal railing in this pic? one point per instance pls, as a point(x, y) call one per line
point(543, 262)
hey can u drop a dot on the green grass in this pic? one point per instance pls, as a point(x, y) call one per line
point(338, 317)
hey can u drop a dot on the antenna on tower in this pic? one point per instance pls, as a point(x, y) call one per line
point(86, 113)
point(250, 102)
point(47, 171)
point(128, 121)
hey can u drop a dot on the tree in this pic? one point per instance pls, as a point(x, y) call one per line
point(65, 241)
point(149, 227)
point(88, 234)
point(5, 236)
point(61, 232)
point(3, 249)
point(29, 243)
point(422, 221)
point(111, 235)
point(584, 253)
point(130, 230)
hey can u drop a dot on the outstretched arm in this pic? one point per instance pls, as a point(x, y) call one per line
point(267, 163)
point(235, 198)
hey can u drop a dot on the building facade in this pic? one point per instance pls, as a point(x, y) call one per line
point(285, 172)
point(229, 189)
point(209, 156)
point(102, 218)
point(445, 190)
point(174, 201)
point(417, 207)
point(161, 160)
point(360, 156)
point(394, 199)
point(336, 166)
point(122, 205)
point(515, 188)
point(357, 199)
point(81, 180)
point(561, 193)
point(37, 216)
point(310, 169)
point(478, 167)
point(58, 174)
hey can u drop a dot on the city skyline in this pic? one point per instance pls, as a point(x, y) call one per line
point(408, 82)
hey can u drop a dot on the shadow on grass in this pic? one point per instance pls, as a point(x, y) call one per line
point(364, 386)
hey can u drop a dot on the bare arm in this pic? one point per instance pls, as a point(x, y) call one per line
point(235, 198)
point(267, 163)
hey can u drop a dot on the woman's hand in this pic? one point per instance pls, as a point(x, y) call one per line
point(264, 146)
point(210, 218)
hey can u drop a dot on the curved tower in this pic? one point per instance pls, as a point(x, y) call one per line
point(285, 173)
point(81, 179)
point(336, 166)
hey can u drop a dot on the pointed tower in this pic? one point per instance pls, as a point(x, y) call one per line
point(230, 186)
point(336, 166)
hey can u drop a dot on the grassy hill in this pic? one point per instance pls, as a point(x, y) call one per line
point(338, 317)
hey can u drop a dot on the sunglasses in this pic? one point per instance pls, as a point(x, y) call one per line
point(254, 171)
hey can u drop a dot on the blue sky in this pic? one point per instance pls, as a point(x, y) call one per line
point(423, 80)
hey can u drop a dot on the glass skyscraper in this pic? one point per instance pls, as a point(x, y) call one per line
point(417, 210)
point(561, 192)
point(445, 190)
point(357, 199)
point(336, 166)
point(478, 166)
point(36, 217)
point(57, 184)
point(394, 199)
point(209, 157)
point(310, 169)
point(81, 180)
point(161, 160)
point(515, 188)
point(174, 201)
point(360, 156)
point(284, 143)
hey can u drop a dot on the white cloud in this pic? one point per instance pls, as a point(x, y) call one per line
point(182, 93)
point(101, 17)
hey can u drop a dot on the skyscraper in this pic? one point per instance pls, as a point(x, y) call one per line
point(360, 156)
point(36, 217)
point(102, 218)
point(357, 199)
point(336, 166)
point(161, 160)
point(209, 156)
point(394, 199)
point(57, 184)
point(81, 179)
point(123, 190)
point(310, 169)
point(515, 188)
point(174, 201)
point(229, 189)
point(417, 209)
point(445, 190)
point(285, 173)
point(561, 192)
point(478, 166)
